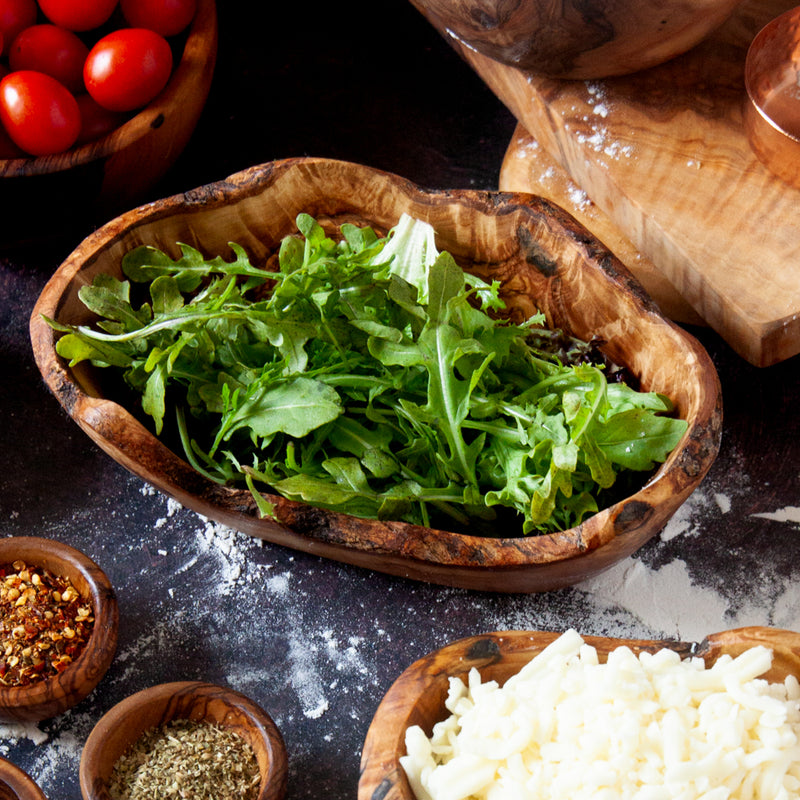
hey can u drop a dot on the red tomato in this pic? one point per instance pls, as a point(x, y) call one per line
point(15, 16)
point(127, 68)
point(166, 17)
point(78, 15)
point(96, 121)
point(38, 112)
point(53, 50)
point(7, 147)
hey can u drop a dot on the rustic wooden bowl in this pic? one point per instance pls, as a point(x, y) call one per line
point(120, 728)
point(593, 39)
point(16, 784)
point(417, 696)
point(114, 172)
point(48, 698)
point(543, 258)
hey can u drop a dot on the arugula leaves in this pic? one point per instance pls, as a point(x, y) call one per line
point(369, 375)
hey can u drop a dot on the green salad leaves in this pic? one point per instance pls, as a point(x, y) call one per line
point(369, 375)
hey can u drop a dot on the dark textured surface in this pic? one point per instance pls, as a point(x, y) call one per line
point(314, 642)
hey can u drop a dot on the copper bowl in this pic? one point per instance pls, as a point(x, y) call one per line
point(417, 696)
point(150, 708)
point(772, 108)
point(114, 172)
point(592, 39)
point(48, 698)
point(541, 256)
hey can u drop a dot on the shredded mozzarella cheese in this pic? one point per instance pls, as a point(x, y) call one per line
point(646, 727)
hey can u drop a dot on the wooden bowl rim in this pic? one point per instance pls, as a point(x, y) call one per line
point(19, 782)
point(518, 552)
point(198, 51)
point(99, 650)
point(126, 713)
point(385, 738)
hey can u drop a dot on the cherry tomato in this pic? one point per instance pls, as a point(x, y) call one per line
point(166, 17)
point(53, 50)
point(78, 15)
point(96, 121)
point(7, 147)
point(15, 16)
point(127, 68)
point(38, 112)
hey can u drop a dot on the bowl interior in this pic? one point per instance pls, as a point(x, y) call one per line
point(541, 257)
point(417, 696)
point(151, 708)
point(44, 699)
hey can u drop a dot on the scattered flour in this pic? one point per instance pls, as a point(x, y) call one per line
point(788, 514)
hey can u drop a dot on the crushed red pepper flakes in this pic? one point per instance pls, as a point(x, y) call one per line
point(44, 624)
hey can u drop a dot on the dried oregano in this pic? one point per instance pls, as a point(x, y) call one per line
point(186, 760)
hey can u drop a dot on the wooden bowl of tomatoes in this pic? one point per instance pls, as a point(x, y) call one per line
point(97, 100)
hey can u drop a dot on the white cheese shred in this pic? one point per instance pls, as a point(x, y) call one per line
point(646, 727)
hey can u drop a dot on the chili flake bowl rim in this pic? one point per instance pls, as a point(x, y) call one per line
point(52, 696)
point(126, 721)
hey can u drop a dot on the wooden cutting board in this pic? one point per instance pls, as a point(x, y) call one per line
point(662, 154)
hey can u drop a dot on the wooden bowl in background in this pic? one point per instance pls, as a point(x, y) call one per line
point(16, 784)
point(593, 39)
point(150, 708)
point(417, 697)
point(43, 194)
point(542, 257)
point(48, 698)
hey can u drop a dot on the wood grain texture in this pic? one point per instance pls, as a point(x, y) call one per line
point(527, 167)
point(16, 784)
point(664, 155)
point(574, 39)
point(48, 698)
point(125, 723)
point(543, 259)
point(417, 696)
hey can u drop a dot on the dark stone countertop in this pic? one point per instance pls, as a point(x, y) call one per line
point(317, 643)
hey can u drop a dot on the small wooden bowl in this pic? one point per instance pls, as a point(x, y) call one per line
point(772, 105)
point(417, 696)
point(122, 726)
point(50, 697)
point(16, 784)
point(542, 257)
point(47, 193)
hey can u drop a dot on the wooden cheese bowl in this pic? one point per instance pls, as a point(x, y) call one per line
point(16, 784)
point(48, 698)
point(417, 696)
point(594, 39)
point(46, 194)
point(123, 724)
point(542, 257)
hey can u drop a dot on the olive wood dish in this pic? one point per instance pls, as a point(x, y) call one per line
point(542, 257)
point(48, 698)
point(587, 39)
point(16, 784)
point(122, 725)
point(114, 172)
point(417, 697)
